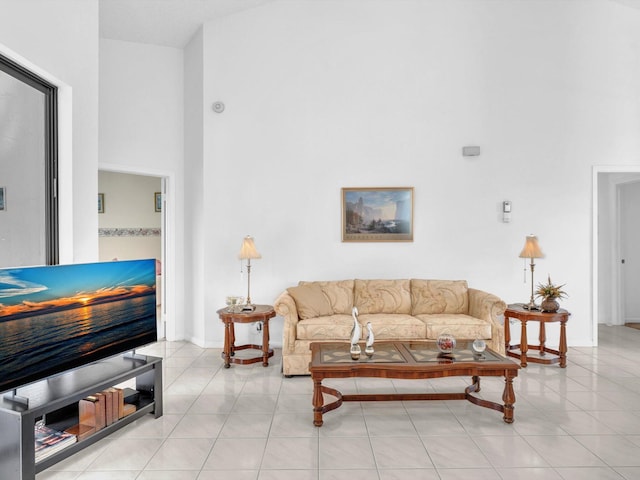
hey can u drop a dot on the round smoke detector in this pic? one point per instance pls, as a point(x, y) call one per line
point(218, 107)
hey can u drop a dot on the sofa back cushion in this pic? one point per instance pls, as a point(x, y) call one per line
point(382, 296)
point(310, 301)
point(338, 292)
point(439, 296)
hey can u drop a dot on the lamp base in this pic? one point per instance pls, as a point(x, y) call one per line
point(248, 308)
point(532, 307)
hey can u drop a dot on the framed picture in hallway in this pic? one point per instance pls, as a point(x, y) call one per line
point(157, 196)
point(101, 203)
point(3, 201)
point(381, 214)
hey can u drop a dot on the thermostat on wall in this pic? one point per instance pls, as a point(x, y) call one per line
point(506, 211)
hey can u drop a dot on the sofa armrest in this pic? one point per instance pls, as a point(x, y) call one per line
point(285, 306)
point(487, 306)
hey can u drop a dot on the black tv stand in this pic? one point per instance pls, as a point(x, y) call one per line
point(61, 393)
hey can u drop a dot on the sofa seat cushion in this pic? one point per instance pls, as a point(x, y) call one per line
point(330, 327)
point(393, 326)
point(459, 325)
point(382, 296)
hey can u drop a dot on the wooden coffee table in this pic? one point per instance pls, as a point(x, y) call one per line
point(408, 360)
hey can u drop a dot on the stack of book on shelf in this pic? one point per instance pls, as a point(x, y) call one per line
point(100, 410)
point(50, 441)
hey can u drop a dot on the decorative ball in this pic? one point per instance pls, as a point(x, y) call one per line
point(446, 343)
point(479, 345)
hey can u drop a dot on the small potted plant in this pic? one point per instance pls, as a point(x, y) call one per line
point(550, 294)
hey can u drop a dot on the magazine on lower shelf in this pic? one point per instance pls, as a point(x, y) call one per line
point(50, 441)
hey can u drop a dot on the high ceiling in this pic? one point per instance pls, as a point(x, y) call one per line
point(172, 23)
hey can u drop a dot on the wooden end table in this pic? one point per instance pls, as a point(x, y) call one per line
point(517, 311)
point(262, 313)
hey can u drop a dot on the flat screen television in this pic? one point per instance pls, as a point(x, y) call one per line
point(55, 318)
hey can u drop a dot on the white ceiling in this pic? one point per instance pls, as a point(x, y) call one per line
point(630, 3)
point(172, 23)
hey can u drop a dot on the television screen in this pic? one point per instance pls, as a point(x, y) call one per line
point(55, 318)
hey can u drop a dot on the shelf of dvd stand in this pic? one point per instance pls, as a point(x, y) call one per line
point(68, 412)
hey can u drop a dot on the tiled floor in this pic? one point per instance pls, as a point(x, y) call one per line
point(248, 422)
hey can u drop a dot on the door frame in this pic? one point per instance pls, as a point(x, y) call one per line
point(616, 273)
point(622, 298)
point(167, 235)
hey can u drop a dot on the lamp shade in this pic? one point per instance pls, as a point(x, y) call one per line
point(531, 248)
point(248, 249)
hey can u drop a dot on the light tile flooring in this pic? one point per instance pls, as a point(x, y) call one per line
point(248, 422)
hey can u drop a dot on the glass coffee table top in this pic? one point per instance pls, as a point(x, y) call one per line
point(397, 352)
point(428, 352)
point(339, 353)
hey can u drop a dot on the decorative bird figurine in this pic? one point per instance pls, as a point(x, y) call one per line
point(356, 333)
point(368, 349)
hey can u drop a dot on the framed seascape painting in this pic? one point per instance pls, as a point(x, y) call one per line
point(377, 214)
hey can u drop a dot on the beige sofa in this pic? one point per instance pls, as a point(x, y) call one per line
point(405, 309)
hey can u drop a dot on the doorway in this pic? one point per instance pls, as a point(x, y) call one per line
point(615, 214)
point(629, 264)
point(131, 223)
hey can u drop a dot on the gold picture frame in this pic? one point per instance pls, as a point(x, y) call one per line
point(101, 203)
point(380, 214)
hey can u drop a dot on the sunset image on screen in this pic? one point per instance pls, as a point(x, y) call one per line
point(34, 290)
point(57, 317)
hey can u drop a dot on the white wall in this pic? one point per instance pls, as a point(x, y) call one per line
point(141, 132)
point(59, 40)
point(608, 284)
point(197, 276)
point(324, 95)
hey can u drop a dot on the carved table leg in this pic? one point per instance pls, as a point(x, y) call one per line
point(265, 343)
point(232, 339)
point(508, 397)
point(227, 344)
point(543, 339)
point(476, 381)
point(524, 345)
point(318, 401)
point(507, 334)
point(563, 344)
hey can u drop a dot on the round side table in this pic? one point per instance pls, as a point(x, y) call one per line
point(517, 311)
point(262, 313)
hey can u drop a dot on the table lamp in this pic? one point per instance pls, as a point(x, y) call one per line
point(247, 252)
point(531, 250)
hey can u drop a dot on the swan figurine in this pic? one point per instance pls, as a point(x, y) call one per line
point(356, 333)
point(368, 349)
